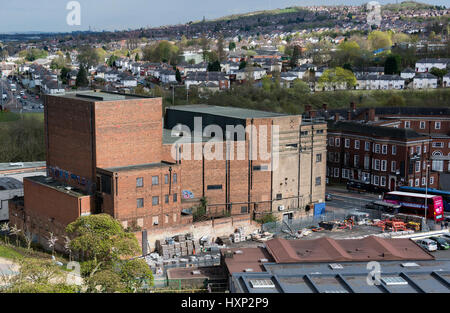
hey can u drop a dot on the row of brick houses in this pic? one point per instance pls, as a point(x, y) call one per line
point(114, 153)
point(387, 146)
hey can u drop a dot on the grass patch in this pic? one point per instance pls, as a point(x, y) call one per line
point(9, 117)
point(9, 253)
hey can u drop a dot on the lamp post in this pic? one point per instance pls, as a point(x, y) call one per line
point(426, 189)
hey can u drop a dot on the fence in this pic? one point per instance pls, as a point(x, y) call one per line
point(292, 225)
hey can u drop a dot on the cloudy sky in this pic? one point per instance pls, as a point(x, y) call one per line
point(51, 15)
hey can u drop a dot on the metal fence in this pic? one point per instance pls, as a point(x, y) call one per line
point(293, 225)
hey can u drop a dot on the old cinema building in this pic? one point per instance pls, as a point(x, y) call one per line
point(114, 153)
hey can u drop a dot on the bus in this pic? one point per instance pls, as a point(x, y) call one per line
point(414, 203)
point(431, 191)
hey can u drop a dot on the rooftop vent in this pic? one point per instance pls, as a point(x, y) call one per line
point(248, 270)
point(335, 266)
point(238, 252)
point(195, 272)
point(394, 281)
point(262, 283)
point(410, 264)
point(263, 260)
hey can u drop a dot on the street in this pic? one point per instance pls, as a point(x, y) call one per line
point(344, 200)
point(15, 102)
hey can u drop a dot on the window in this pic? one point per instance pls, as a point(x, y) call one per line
point(338, 142)
point(319, 131)
point(384, 149)
point(139, 182)
point(336, 172)
point(437, 125)
point(318, 157)
point(383, 181)
point(437, 165)
point(155, 200)
point(377, 148)
point(411, 183)
point(166, 178)
point(331, 141)
point(393, 166)
point(438, 145)
point(347, 143)
point(407, 124)
point(367, 146)
point(411, 151)
point(175, 197)
point(423, 181)
point(418, 150)
point(431, 180)
point(318, 181)
point(394, 150)
point(345, 173)
point(376, 165)
point(279, 196)
point(260, 168)
point(175, 178)
point(417, 166)
point(417, 182)
point(166, 198)
point(383, 165)
point(425, 149)
point(356, 160)
point(155, 220)
point(366, 162)
point(376, 180)
point(140, 203)
point(155, 180)
point(422, 124)
point(214, 187)
point(356, 144)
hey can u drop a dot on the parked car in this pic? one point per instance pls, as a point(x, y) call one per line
point(328, 197)
point(427, 244)
point(446, 237)
point(441, 243)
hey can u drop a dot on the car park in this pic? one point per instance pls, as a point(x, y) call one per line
point(441, 243)
point(427, 244)
point(446, 237)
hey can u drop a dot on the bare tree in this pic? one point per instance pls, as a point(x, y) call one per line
point(51, 242)
point(15, 231)
point(5, 228)
point(67, 247)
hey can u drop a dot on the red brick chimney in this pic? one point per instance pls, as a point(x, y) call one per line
point(371, 114)
point(336, 117)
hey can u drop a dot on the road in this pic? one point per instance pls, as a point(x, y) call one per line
point(344, 200)
point(16, 103)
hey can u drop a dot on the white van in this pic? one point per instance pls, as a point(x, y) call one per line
point(427, 244)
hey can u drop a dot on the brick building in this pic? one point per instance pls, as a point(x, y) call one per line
point(385, 157)
point(113, 153)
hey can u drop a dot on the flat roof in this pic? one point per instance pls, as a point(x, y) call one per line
point(92, 95)
point(246, 258)
point(8, 183)
point(233, 112)
point(20, 165)
point(136, 167)
point(57, 185)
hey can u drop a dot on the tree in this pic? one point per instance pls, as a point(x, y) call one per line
point(101, 238)
point(136, 274)
point(438, 72)
point(214, 66)
point(136, 57)
point(82, 79)
point(220, 48)
point(395, 101)
point(296, 53)
point(300, 87)
point(178, 75)
point(337, 76)
point(231, 46)
point(392, 64)
point(88, 57)
point(242, 65)
point(346, 52)
point(379, 40)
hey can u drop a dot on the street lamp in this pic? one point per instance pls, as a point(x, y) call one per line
point(426, 190)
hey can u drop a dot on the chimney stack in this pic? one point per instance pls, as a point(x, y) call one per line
point(371, 114)
point(349, 115)
point(325, 107)
point(336, 117)
point(353, 106)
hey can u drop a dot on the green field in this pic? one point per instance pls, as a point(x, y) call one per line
point(9, 253)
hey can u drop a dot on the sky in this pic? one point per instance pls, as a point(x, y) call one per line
point(51, 15)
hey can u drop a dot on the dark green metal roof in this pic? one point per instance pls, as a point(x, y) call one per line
point(232, 112)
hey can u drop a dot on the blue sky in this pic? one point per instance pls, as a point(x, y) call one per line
point(50, 15)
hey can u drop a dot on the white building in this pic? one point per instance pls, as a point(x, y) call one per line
point(256, 72)
point(425, 65)
point(446, 80)
point(425, 81)
point(167, 76)
point(408, 73)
